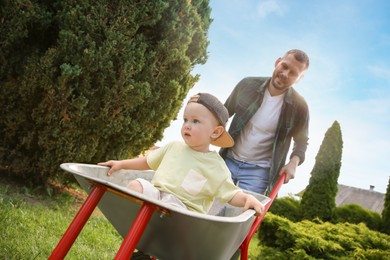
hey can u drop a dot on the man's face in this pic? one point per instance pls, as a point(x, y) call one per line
point(287, 72)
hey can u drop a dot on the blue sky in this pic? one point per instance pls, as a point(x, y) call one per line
point(348, 42)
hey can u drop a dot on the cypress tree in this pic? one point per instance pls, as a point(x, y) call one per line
point(318, 200)
point(386, 211)
point(86, 81)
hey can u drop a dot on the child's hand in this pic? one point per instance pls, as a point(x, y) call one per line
point(247, 201)
point(115, 166)
point(253, 203)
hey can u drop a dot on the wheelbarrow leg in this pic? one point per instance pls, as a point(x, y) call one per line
point(78, 222)
point(135, 232)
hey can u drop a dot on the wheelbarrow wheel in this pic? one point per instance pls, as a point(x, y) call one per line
point(140, 256)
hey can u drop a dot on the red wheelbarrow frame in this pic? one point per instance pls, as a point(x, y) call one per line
point(256, 224)
point(136, 230)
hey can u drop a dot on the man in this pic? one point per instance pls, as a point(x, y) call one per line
point(268, 114)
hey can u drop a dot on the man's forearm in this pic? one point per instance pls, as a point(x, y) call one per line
point(294, 161)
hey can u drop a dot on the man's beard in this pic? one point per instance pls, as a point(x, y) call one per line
point(278, 86)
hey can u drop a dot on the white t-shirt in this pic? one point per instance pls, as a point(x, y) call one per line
point(255, 142)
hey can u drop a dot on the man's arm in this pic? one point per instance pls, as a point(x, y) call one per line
point(300, 139)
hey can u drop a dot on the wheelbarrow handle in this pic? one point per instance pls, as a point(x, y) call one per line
point(245, 244)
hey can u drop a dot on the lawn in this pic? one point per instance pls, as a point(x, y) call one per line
point(34, 220)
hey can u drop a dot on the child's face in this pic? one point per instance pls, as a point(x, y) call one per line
point(200, 127)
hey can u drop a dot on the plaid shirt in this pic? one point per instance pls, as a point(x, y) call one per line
point(293, 122)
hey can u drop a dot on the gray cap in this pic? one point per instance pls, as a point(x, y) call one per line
point(220, 112)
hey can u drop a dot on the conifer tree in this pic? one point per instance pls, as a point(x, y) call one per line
point(386, 211)
point(318, 199)
point(86, 81)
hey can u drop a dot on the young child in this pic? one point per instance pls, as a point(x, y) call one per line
point(188, 174)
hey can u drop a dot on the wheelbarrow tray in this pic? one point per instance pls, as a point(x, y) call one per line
point(171, 233)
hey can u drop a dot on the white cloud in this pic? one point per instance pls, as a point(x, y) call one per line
point(268, 7)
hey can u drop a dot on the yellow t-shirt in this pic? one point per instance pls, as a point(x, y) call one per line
point(195, 178)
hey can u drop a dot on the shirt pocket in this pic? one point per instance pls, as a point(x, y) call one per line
point(194, 182)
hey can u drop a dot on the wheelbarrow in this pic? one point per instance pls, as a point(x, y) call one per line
point(156, 228)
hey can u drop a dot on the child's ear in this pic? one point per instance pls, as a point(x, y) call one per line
point(217, 132)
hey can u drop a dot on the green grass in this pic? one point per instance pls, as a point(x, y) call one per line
point(34, 220)
point(32, 224)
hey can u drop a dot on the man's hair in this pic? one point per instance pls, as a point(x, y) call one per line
point(300, 56)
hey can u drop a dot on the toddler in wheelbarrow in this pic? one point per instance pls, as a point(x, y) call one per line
point(164, 204)
point(188, 174)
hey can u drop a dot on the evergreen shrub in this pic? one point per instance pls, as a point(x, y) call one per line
point(386, 211)
point(287, 207)
point(356, 214)
point(320, 240)
point(318, 200)
point(86, 81)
